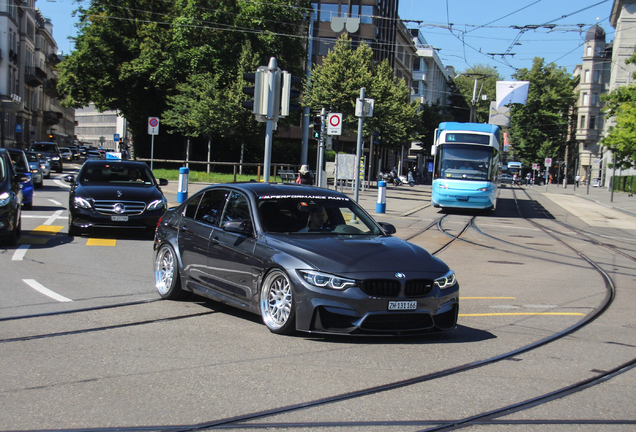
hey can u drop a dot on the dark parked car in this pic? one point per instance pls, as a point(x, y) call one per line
point(10, 200)
point(305, 259)
point(51, 151)
point(114, 194)
point(21, 166)
point(75, 151)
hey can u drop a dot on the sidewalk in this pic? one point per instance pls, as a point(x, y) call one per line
point(619, 201)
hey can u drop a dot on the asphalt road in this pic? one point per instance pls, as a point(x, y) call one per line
point(150, 364)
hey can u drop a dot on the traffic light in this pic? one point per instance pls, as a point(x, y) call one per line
point(288, 93)
point(50, 136)
point(317, 126)
point(259, 91)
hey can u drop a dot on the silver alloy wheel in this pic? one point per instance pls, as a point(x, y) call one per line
point(164, 270)
point(276, 300)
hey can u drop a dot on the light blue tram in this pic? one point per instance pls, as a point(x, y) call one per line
point(465, 173)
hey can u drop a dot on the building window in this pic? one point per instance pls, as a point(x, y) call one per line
point(594, 99)
point(588, 52)
point(366, 16)
point(328, 11)
point(587, 76)
point(324, 45)
point(585, 100)
point(582, 123)
point(597, 76)
point(416, 64)
point(592, 122)
point(415, 87)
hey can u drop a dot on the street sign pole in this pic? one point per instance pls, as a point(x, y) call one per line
point(358, 151)
point(153, 129)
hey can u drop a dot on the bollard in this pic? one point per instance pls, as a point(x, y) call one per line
point(182, 194)
point(380, 206)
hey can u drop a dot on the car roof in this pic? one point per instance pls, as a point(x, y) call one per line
point(116, 162)
point(283, 189)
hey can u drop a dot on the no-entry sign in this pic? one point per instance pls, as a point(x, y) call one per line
point(334, 124)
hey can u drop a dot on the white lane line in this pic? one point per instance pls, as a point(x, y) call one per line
point(18, 255)
point(59, 182)
point(56, 215)
point(55, 202)
point(47, 292)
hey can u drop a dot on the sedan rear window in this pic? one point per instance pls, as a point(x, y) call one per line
point(117, 175)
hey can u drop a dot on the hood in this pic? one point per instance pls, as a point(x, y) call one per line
point(346, 255)
point(120, 192)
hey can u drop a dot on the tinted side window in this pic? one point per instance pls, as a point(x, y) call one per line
point(237, 208)
point(193, 205)
point(211, 206)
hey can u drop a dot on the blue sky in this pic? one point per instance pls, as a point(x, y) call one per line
point(481, 30)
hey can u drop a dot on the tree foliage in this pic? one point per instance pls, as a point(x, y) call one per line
point(146, 57)
point(486, 78)
point(335, 84)
point(539, 129)
point(621, 105)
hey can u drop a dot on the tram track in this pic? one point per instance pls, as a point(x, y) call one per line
point(488, 417)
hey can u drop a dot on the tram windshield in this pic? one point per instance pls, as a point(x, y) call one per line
point(465, 162)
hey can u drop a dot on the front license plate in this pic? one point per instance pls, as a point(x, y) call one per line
point(119, 218)
point(402, 305)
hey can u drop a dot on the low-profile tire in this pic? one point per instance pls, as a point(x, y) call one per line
point(167, 280)
point(277, 303)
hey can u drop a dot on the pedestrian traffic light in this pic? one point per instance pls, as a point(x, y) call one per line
point(289, 93)
point(317, 126)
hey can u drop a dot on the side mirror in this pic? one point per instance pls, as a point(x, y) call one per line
point(22, 178)
point(69, 179)
point(243, 227)
point(163, 182)
point(388, 228)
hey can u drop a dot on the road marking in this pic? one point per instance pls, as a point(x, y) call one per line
point(47, 229)
point(18, 255)
point(101, 242)
point(47, 292)
point(522, 313)
point(55, 202)
point(56, 215)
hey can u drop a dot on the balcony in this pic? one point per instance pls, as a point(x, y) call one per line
point(50, 88)
point(34, 76)
point(51, 118)
point(53, 59)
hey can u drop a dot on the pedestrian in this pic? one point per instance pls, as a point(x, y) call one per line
point(528, 177)
point(304, 175)
point(577, 179)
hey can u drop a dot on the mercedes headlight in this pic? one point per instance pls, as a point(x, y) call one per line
point(446, 281)
point(158, 204)
point(325, 280)
point(80, 202)
point(5, 198)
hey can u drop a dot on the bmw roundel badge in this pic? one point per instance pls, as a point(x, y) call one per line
point(400, 275)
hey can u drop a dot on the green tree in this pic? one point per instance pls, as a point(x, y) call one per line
point(133, 56)
point(486, 78)
point(335, 84)
point(621, 105)
point(539, 129)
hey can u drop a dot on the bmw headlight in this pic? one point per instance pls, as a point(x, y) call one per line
point(325, 280)
point(158, 204)
point(446, 281)
point(5, 198)
point(80, 202)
